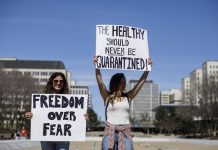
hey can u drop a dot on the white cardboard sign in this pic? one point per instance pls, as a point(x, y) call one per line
point(58, 117)
point(122, 47)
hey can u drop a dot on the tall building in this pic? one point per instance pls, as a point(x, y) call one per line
point(210, 70)
point(186, 90)
point(192, 85)
point(195, 86)
point(145, 101)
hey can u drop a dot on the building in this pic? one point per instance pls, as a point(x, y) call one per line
point(195, 86)
point(40, 70)
point(81, 90)
point(172, 96)
point(164, 97)
point(186, 90)
point(175, 96)
point(145, 101)
point(192, 85)
point(210, 70)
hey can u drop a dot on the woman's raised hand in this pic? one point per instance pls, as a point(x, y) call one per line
point(95, 60)
point(150, 61)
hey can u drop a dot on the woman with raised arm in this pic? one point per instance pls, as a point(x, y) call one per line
point(117, 133)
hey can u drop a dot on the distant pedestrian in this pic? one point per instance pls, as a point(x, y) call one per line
point(23, 133)
point(17, 135)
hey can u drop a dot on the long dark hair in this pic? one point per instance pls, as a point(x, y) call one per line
point(49, 86)
point(113, 88)
point(115, 81)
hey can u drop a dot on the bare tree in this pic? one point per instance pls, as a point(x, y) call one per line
point(15, 97)
point(209, 104)
point(186, 122)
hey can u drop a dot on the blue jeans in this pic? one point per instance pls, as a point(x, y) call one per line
point(105, 142)
point(55, 145)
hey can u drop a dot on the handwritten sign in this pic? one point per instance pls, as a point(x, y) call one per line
point(58, 117)
point(122, 47)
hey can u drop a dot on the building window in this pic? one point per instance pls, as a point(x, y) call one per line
point(44, 73)
point(50, 73)
point(27, 73)
point(35, 73)
point(43, 80)
point(36, 80)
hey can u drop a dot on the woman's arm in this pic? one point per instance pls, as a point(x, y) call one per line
point(132, 93)
point(102, 88)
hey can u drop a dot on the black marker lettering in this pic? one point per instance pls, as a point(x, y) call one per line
point(35, 98)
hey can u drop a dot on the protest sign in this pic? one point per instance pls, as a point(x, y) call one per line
point(122, 47)
point(58, 117)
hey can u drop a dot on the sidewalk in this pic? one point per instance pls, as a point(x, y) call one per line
point(94, 143)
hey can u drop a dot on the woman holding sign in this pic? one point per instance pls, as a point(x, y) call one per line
point(117, 133)
point(57, 84)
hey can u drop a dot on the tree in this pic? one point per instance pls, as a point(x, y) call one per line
point(15, 97)
point(175, 120)
point(93, 118)
point(185, 120)
point(161, 118)
point(209, 105)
